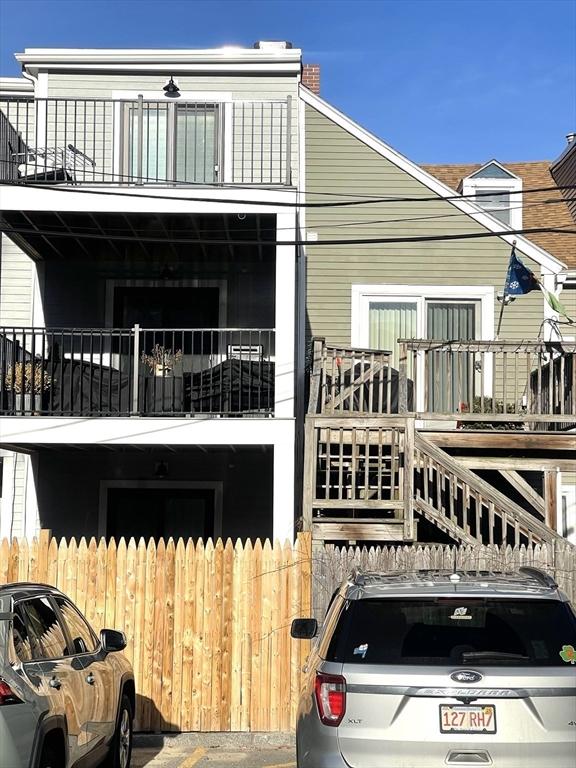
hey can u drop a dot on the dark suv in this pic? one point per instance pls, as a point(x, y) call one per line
point(433, 669)
point(66, 698)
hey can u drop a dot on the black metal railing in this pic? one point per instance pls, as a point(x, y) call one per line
point(136, 372)
point(145, 142)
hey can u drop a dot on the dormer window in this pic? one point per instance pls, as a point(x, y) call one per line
point(498, 191)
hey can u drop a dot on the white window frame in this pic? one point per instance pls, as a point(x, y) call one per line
point(223, 99)
point(473, 185)
point(362, 295)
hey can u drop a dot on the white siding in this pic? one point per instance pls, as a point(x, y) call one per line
point(18, 505)
point(17, 285)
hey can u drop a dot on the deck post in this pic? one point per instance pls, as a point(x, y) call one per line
point(551, 497)
point(408, 489)
point(310, 460)
point(316, 373)
point(403, 378)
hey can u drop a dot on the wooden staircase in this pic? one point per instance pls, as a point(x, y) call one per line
point(466, 507)
point(371, 476)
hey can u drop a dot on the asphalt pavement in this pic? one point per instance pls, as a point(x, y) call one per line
point(169, 756)
point(214, 750)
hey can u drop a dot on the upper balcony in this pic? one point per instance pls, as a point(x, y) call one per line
point(136, 142)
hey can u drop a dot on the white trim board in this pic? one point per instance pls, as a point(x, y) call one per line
point(75, 57)
point(205, 97)
point(528, 248)
point(484, 293)
point(146, 199)
point(24, 431)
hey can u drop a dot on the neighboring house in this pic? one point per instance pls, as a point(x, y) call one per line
point(147, 381)
point(535, 210)
point(359, 484)
point(563, 172)
point(151, 246)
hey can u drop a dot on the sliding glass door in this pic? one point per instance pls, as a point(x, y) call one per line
point(171, 142)
point(450, 375)
point(449, 384)
point(389, 321)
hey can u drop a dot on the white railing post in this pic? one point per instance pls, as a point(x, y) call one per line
point(135, 369)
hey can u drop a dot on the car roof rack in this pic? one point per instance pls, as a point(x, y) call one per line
point(358, 577)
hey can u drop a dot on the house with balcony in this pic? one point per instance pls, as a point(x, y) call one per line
point(439, 410)
point(148, 317)
point(196, 341)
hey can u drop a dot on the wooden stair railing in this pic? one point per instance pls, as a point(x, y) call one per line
point(465, 506)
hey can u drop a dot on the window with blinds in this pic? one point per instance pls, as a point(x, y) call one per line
point(451, 375)
point(389, 321)
point(179, 142)
point(451, 379)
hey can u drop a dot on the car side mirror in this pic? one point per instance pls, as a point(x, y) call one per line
point(304, 629)
point(112, 640)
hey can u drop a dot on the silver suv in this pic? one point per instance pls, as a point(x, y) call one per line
point(433, 668)
point(66, 699)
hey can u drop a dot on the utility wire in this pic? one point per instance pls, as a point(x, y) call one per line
point(130, 178)
point(281, 203)
point(320, 225)
point(240, 242)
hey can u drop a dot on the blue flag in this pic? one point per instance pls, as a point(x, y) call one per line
point(519, 279)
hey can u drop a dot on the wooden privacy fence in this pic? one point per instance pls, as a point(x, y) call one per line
point(332, 564)
point(208, 626)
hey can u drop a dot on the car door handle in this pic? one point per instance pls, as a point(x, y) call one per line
point(55, 683)
point(90, 679)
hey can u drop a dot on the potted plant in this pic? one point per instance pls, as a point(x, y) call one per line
point(27, 383)
point(161, 361)
point(163, 386)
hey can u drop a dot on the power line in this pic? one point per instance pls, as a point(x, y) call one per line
point(317, 226)
point(230, 241)
point(281, 203)
point(129, 178)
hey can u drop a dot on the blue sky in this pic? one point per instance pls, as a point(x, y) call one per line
point(440, 80)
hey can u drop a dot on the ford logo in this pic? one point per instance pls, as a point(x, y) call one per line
point(466, 676)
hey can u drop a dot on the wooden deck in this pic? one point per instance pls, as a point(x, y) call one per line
point(380, 441)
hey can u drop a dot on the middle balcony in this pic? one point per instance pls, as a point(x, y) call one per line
point(137, 372)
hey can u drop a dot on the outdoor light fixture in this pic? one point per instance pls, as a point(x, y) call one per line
point(171, 89)
point(161, 471)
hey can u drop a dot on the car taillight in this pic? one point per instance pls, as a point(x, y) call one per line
point(330, 693)
point(7, 695)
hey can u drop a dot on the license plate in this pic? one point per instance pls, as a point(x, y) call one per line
point(462, 719)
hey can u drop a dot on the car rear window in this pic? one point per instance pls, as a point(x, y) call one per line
point(445, 631)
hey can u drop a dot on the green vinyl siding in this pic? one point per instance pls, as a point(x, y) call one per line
point(337, 162)
point(101, 85)
point(256, 123)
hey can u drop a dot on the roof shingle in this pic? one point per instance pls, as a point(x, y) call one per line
point(534, 175)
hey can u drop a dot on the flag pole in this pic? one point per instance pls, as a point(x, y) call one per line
point(504, 291)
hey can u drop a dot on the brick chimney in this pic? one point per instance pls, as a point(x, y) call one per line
point(311, 77)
